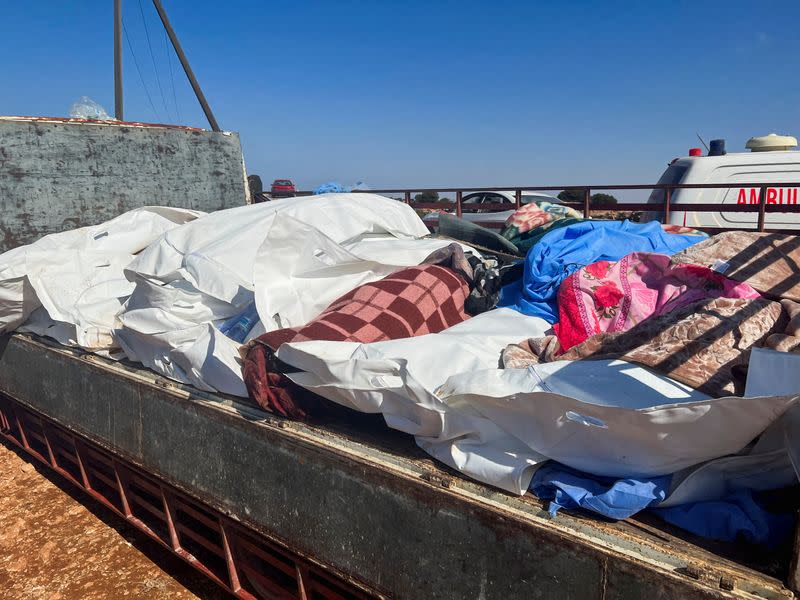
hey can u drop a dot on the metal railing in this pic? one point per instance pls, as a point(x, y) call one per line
point(762, 207)
point(237, 558)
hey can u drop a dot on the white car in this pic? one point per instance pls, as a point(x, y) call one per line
point(469, 201)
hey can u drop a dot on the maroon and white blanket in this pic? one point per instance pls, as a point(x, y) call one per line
point(411, 302)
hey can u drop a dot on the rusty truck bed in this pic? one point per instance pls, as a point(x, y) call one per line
point(356, 505)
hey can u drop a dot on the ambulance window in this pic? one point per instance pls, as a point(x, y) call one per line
point(673, 174)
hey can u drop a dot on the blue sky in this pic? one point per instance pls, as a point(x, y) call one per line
point(430, 93)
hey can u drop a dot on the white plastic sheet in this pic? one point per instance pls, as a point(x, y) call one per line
point(77, 278)
point(603, 417)
point(621, 420)
point(772, 461)
point(750, 469)
point(399, 379)
point(292, 257)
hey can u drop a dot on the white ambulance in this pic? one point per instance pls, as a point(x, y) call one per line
point(772, 159)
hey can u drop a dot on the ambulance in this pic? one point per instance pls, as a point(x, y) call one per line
point(771, 159)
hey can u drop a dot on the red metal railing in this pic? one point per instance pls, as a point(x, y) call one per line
point(235, 557)
point(665, 208)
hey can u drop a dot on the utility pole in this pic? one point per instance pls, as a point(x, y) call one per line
point(118, 109)
point(185, 64)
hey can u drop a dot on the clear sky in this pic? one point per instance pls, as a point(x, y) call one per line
point(429, 93)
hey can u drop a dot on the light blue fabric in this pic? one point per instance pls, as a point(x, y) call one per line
point(336, 187)
point(330, 187)
point(612, 498)
point(563, 251)
point(725, 520)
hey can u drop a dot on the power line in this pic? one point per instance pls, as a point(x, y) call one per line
point(153, 58)
point(172, 77)
point(138, 70)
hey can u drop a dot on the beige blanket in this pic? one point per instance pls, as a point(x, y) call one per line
point(770, 262)
point(705, 345)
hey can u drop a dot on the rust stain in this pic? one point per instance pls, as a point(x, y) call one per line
point(53, 547)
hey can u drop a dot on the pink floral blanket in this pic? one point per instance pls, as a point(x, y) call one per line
point(614, 297)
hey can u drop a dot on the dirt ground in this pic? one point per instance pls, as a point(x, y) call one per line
point(56, 543)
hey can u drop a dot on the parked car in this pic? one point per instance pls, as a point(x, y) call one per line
point(282, 188)
point(471, 212)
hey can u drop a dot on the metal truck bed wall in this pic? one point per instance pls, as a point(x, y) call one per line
point(367, 508)
point(58, 174)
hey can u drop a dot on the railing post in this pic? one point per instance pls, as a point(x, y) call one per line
point(587, 196)
point(667, 200)
point(762, 208)
point(407, 197)
point(458, 203)
point(518, 198)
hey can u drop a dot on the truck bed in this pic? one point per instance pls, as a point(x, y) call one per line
point(361, 503)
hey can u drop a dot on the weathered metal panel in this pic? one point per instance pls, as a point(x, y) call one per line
point(375, 515)
point(57, 174)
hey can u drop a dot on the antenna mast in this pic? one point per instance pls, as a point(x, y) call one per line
point(118, 103)
point(185, 64)
point(118, 112)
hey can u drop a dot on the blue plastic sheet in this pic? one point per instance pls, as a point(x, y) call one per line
point(613, 498)
point(336, 187)
point(330, 187)
point(564, 251)
point(725, 520)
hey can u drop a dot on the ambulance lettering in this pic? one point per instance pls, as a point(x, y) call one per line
point(774, 196)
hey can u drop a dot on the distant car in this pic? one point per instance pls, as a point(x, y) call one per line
point(471, 212)
point(282, 188)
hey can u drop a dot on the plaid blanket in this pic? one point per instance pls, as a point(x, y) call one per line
point(411, 302)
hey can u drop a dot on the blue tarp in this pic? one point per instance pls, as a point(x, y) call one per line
point(612, 498)
point(563, 251)
point(725, 519)
point(330, 187)
point(336, 187)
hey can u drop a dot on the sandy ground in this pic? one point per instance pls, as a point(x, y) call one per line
point(56, 543)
